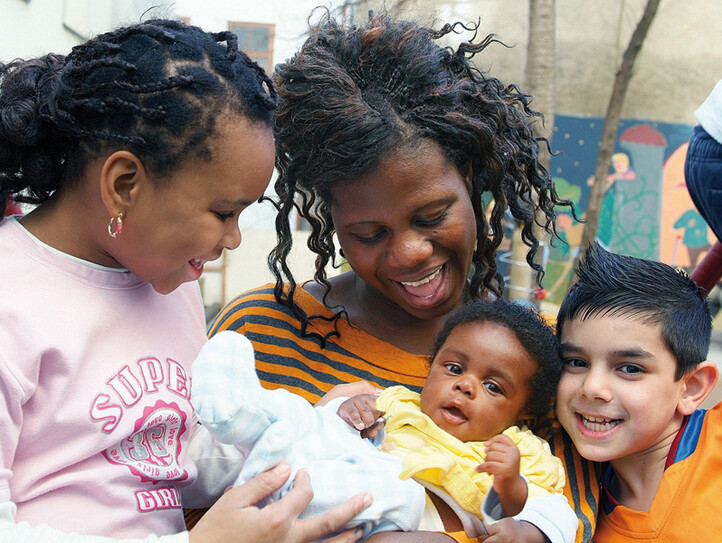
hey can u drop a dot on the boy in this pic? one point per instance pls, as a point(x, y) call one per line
point(634, 337)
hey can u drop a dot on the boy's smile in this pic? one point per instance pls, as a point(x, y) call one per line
point(618, 396)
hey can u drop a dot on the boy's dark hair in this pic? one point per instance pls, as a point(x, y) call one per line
point(155, 88)
point(615, 285)
point(533, 333)
point(353, 95)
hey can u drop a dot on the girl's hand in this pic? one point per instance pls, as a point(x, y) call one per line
point(234, 518)
point(360, 412)
point(347, 390)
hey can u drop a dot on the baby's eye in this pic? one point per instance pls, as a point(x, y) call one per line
point(453, 368)
point(493, 387)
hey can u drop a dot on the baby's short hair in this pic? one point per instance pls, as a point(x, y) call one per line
point(533, 333)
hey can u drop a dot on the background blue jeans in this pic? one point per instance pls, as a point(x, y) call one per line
point(703, 174)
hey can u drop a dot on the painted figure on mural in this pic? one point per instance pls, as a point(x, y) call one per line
point(694, 237)
point(645, 194)
point(608, 216)
point(562, 256)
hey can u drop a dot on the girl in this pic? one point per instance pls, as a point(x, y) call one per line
point(141, 147)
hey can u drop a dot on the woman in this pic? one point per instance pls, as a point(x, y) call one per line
point(391, 143)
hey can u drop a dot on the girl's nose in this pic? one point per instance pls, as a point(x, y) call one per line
point(232, 236)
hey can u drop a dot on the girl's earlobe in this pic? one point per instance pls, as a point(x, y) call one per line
point(122, 173)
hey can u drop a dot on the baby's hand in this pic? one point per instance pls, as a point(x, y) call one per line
point(361, 413)
point(502, 461)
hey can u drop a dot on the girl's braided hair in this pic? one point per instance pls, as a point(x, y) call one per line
point(154, 88)
point(353, 95)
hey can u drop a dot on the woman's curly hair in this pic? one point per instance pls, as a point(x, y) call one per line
point(154, 88)
point(353, 95)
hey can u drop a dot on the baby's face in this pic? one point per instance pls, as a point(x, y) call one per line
point(479, 382)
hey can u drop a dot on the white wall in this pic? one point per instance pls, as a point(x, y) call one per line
point(288, 16)
point(30, 28)
point(246, 267)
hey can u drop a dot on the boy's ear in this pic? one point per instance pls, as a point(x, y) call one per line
point(698, 384)
point(122, 174)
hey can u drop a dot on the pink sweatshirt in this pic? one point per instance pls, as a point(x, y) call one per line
point(95, 414)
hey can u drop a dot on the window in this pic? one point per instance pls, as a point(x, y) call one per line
point(256, 40)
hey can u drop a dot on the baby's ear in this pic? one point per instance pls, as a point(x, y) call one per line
point(698, 384)
point(526, 418)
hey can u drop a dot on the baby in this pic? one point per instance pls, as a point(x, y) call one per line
point(495, 367)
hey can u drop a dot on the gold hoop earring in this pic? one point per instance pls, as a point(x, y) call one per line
point(115, 232)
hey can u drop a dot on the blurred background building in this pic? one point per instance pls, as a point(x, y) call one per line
point(646, 212)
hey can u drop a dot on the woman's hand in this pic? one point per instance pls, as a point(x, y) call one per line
point(234, 518)
point(348, 390)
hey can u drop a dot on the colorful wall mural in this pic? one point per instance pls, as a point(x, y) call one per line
point(646, 211)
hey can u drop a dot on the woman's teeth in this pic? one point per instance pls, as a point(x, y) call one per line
point(422, 281)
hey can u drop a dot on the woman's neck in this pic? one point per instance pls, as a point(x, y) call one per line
point(378, 316)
